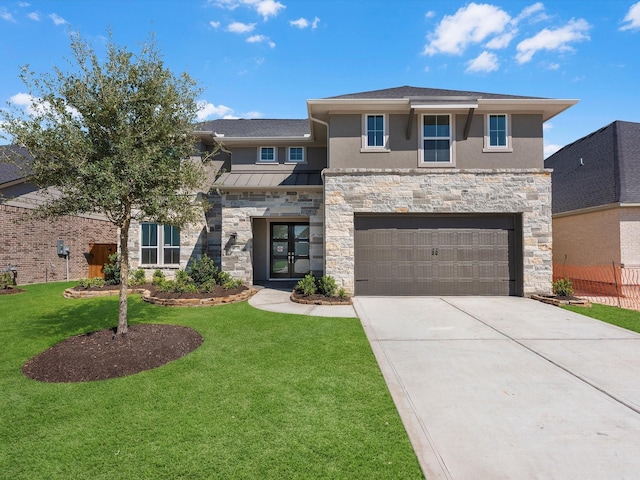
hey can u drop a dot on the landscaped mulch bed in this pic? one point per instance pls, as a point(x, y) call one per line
point(10, 290)
point(561, 300)
point(150, 293)
point(103, 354)
point(318, 299)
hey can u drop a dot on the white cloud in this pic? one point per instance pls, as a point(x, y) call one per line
point(558, 39)
point(266, 8)
point(24, 4)
point(239, 27)
point(214, 24)
point(502, 41)
point(261, 39)
point(430, 14)
point(34, 106)
point(547, 126)
point(302, 23)
point(57, 19)
point(550, 149)
point(530, 10)
point(554, 66)
point(253, 114)
point(485, 62)
point(471, 24)
point(6, 15)
point(206, 110)
point(35, 16)
point(632, 18)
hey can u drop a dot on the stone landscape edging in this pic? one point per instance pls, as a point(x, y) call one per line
point(558, 302)
point(327, 303)
point(165, 302)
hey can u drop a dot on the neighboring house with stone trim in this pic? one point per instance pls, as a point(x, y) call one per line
point(32, 245)
point(596, 198)
point(402, 191)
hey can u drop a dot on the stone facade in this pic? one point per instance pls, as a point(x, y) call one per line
point(31, 244)
point(240, 207)
point(438, 191)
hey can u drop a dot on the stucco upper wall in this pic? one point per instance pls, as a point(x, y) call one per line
point(245, 159)
point(345, 143)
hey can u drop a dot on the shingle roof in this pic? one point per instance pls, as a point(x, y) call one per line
point(260, 127)
point(598, 169)
point(418, 92)
point(9, 154)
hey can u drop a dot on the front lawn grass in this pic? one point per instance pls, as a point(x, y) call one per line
point(629, 319)
point(266, 396)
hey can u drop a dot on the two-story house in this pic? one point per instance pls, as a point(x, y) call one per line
point(402, 191)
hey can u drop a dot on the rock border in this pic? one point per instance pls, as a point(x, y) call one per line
point(327, 303)
point(165, 302)
point(558, 302)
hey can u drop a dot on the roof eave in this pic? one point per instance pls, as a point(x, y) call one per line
point(548, 107)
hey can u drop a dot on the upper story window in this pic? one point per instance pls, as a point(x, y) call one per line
point(375, 135)
point(436, 139)
point(497, 133)
point(159, 244)
point(267, 155)
point(295, 155)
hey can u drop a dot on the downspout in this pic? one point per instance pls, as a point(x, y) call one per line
point(324, 202)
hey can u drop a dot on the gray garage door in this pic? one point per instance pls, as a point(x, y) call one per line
point(437, 255)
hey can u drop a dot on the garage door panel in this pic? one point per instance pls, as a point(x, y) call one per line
point(435, 255)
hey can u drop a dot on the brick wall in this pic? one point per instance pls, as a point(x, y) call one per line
point(31, 244)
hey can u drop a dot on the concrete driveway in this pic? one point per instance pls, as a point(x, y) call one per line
point(509, 388)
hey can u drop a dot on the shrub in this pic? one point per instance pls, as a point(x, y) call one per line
point(307, 285)
point(203, 271)
point(563, 287)
point(327, 285)
point(223, 277)
point(342, 293)
point(138, 277)
point(231, 284)
point(91, 282)
point(183, 277)
point(112, 270)
point(6, 280)
point(158, 278)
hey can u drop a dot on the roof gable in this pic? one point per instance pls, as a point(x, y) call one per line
point(418, 93)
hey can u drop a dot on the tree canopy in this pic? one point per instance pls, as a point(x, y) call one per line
point(112, 136)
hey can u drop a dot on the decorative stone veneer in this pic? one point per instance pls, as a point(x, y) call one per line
point(438, 191)
point(239, 208)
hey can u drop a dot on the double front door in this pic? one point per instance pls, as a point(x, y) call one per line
point(289, 252)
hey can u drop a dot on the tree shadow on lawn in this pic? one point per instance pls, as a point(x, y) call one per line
point(78, 316)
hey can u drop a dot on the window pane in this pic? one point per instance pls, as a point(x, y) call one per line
point(171, 255)
point(280, 248)
point(296, 154)
point(149, 256)
point(267, 154)
point(302, 248)
point(436, 151)
point(436, 126)
point(280, 231)
point(375, 130)
point(149, 234)
point(497, 130)
point(171, 236)
point(301, 232)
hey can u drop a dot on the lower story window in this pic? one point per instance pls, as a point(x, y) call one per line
point(160, 244)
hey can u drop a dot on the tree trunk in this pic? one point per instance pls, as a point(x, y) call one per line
point(123, 324)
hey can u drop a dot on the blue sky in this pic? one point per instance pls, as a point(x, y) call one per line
point(265, 58)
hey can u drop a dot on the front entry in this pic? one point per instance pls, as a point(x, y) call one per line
point(289, 250)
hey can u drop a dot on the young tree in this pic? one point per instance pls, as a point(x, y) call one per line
point(113, 137)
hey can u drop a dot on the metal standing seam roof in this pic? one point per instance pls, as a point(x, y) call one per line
point(269, 180)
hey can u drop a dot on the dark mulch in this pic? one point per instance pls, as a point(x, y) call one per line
point(319, 297)
point(10, 290)
point(218, 291)
point(103, 354)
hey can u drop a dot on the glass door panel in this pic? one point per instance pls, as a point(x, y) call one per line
point(289, 252)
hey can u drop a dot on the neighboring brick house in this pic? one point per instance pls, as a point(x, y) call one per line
point(402, 191)
point(31, 245)
point(596, 198)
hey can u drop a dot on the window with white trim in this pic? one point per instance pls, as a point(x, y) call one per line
point(295, 155)
point(267, 155)
point(159, 244)
point(436, 139)
point(375, 134)
point(497, 133)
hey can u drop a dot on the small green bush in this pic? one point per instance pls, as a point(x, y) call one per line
point(158, 278)
point(203, 271)
point(112, 270)
point(183, 277)
point(138, 277)
point(231, 284)
point(563, 287)
point(6, 280)
point(91, 282)
point(342, 293)
point(327, 286)
point(307, 285)
point(223, 277)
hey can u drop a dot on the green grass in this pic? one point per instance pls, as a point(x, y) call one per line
point(266, 396)
point(629, 319)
